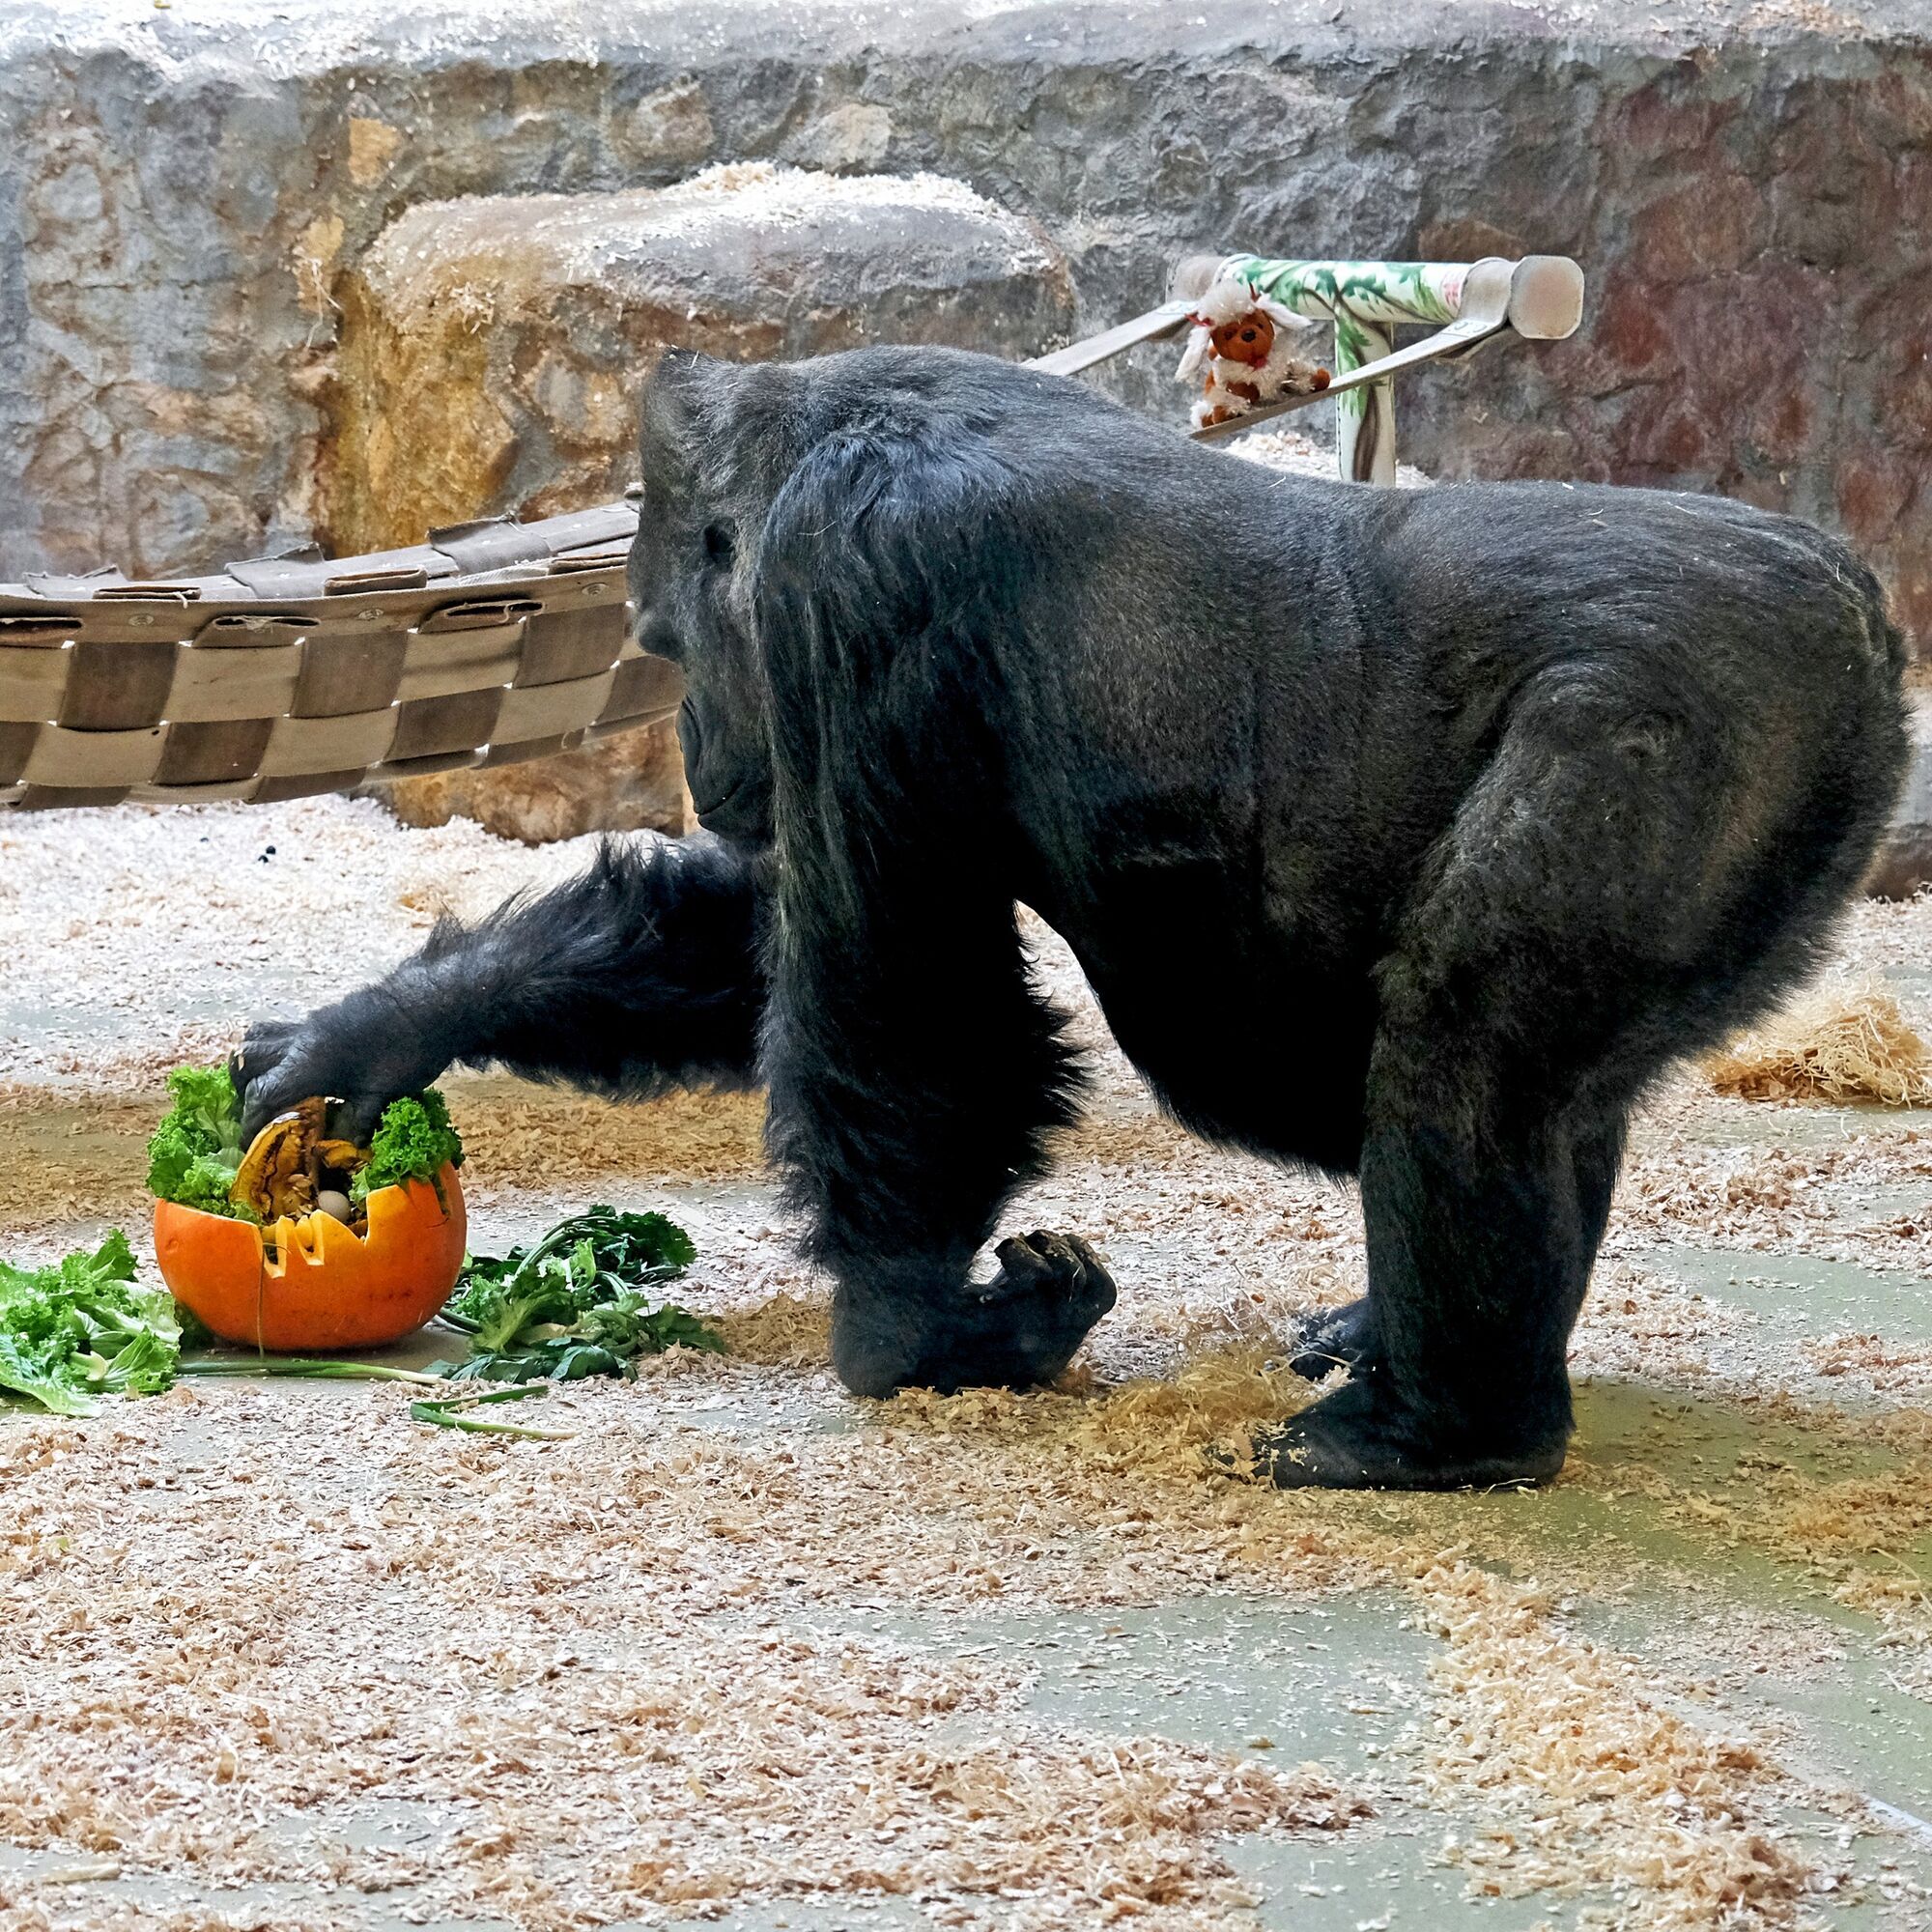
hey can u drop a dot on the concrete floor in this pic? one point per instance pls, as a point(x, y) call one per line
point(1342, 1679)
point(1685, 1580)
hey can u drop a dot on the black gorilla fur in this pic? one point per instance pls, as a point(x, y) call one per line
point(1405, 834)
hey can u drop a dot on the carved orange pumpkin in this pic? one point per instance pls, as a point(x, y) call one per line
point(329, 1288)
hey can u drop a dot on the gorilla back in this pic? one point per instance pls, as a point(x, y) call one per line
point(1409, 834)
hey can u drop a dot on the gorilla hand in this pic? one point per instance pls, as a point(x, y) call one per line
point(365, 1051)
point(1050, 1291)
point(1017, 1330)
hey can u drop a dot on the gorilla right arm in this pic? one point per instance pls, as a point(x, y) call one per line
point(640, 976)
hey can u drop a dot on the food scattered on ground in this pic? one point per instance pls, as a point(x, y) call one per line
point(1840, 1043)
point(307, 1369)
point(83, 1327)
point(447, 1409)
point(574, 1303)
point(456, 1411)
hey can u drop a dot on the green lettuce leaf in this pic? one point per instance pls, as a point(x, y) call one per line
point(82, 1328)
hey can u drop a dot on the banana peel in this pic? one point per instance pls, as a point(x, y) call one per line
point(281, 1173)
point(277, 1174)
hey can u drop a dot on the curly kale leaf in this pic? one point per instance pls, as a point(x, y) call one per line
point(205, 1104)
point(199, 1180)
point(413, 1141)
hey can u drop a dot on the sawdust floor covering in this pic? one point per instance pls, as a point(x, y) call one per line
point(744, 1650)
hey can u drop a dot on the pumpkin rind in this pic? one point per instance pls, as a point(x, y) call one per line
point(331, 1288)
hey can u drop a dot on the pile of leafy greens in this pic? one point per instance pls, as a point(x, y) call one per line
point(81, 1328)
point(194, 1153)
point(577, 1303)
point(412, 1141)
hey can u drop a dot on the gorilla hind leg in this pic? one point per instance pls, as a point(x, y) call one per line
point(1609, 899)
point(1345, 1337)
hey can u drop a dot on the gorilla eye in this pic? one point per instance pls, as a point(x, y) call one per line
point(718, 543)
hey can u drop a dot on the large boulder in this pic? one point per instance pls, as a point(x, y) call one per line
point(492, 350)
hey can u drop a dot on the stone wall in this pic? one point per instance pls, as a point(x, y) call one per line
point(183, 193)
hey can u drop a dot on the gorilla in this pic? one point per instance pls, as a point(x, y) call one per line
point(1408, 836)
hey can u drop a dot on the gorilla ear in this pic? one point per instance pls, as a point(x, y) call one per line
point(673, 399)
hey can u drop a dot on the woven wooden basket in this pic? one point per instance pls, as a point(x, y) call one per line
point(490, 642)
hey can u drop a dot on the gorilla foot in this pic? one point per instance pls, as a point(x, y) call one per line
point(1337, 1338)
point(1358, 1439)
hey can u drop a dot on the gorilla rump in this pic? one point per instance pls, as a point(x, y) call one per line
point(1405, 834)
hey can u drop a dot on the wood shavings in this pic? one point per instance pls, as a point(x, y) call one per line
point(67, 1161)
point(582, 1647)
point(1166, 1427)
point(1845, 1496)
point(515, 1130)
point(1593, 1780)
point(1895, 1366)
point(783, 1332)
point(600, 1671)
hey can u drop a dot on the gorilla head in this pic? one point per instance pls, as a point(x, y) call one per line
point(689, 583)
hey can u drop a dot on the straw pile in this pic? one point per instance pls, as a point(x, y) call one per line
point(1843, 1043)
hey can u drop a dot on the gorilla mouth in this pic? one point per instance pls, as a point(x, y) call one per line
point(741, 811)
point(722, 799)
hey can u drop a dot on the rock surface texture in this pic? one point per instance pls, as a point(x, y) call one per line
point(491, 351)
point(1904, 862)
point(631, 781)
point(185, 194)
